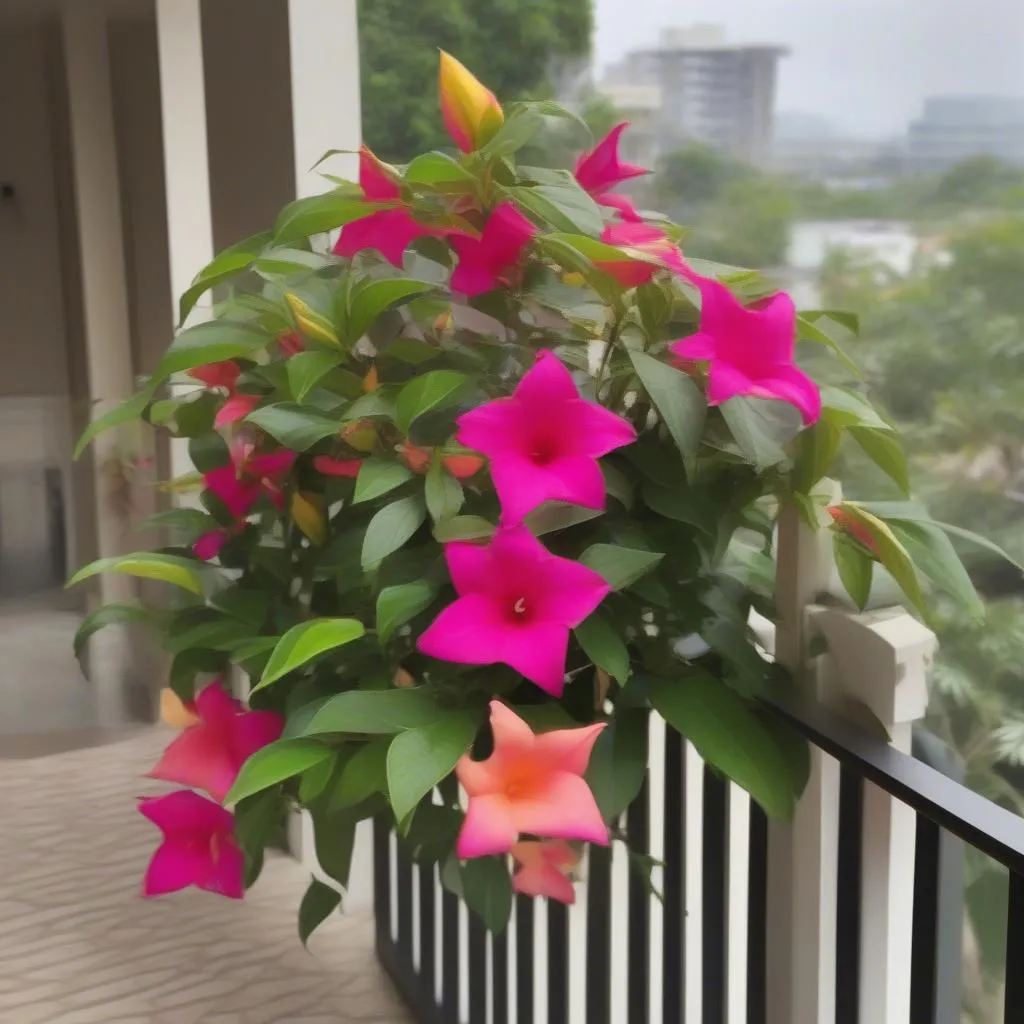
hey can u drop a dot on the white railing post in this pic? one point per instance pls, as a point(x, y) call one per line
point(882, 660)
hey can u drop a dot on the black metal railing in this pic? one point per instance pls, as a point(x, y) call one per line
point(449, 970)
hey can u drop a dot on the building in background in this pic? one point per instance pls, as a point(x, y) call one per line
point(714, 92)
point(952, 129)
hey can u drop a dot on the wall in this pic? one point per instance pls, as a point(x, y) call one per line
point(32, 328)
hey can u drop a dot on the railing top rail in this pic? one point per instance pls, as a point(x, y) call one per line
point(988, 827)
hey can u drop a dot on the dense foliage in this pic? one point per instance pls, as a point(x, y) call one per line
point(482, 485)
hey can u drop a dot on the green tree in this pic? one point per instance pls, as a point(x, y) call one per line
point(511, 45)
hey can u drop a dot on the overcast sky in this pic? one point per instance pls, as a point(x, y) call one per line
point(865, 64)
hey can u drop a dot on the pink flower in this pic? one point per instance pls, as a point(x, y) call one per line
point(470, 110)
point(236, 408)
point(544, 869)
point(217, 375)
point(531, 784)
point(647, 241)
point(544, 441)
point(239, 485)
point(330, 466)
point(601, 170)
point(198, 848)
point(750, 350)
point(209, 754)
point(483, 260)
point(390, 231)
point(208, 546)
point(516, 605)
point(291, 343)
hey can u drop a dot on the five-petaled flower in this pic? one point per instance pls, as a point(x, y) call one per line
point(749, 349)
point(470, 110)
point(209, 754)
point(198, 847)
point(483, 261)
point(600, 170)
point(516, 605)
point(530, 784)
point(544, 440)
point(545, 869)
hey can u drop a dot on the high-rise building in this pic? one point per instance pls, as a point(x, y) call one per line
point(715, 92)
point(955, 128)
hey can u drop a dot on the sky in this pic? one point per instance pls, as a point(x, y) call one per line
point(866, 65)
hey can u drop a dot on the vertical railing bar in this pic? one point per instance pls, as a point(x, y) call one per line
point(381, 880)
point(477, 968)
point(404, 898)
point(599, 936)
point(427, 915)
point(1013, 1002)
point(558, 963)
point(924, 950)
point(851, 827)
point(450, 957)
point(524, 960)
point(757, 917)
point(499, 978)
point(674, 882)
point(715, 897)
point(638, 928)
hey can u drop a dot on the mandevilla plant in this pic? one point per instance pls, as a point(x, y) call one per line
point(482, 485)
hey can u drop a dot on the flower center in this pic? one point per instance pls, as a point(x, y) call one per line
point(519, 606)
point(544, 450)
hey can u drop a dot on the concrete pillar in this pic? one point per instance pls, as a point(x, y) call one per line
point(106, 320)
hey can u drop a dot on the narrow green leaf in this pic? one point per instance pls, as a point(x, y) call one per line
point(442, 491)
point(855, 566)
point(317, 905)
point(603, 646)
point(516, 131)
point(370, 301)
point(563, 207)
point(314, 780)
point(364, 774)
point(762, 428)
point(109, 615)
point(558, 515)
point(619, 762)
point(280, 760)
point(618, 565)
point(316, 214)
point(223, 267)
point(152, 565)
point(730, 736)
point(376, 712)
point(397, 605)
point(306, 641)
point(463, 528)
point(391, 528)
point(378, 476)
point(436, 169)
point(334, 837)
point(809, 330)
point(294, 426)
point(934, 556)
point(211, 342)
point(282, 261)
point(307, 369)
point(431, 391)
point(420, 758)
point(678, 400)
point(487, 891)
point(849, 409)
point(886, 452)
point(128, 411)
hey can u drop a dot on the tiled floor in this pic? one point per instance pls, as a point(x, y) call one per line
point(79, 946)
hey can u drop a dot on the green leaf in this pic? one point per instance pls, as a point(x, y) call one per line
point(280, 760)
point(564, 207)
point(558, 515)
point(442, 491)
point(334, 837)
point(224, 266)
point(314, 780)
point(317, 905)
point(436, 169)
point(761, 427)
point(109, 615)
point(294, 426)
point(855, 566)
point(316, 214)
point(307, 369)
point(377, 711)
point(618, 565)
point(603, 646)
point(282, 261)
point(397, 605)
point(487, 891)
point(808, 330)
point(127, 411)
point(463, 528)
point(377, 477)
point(151, 565)
point(370, 301)
point(211, 342)
point(730, 736)
point(364, 774)
point(678, 400)
point(516, 131)
point(934, 556)
point(431, 391)
point(817, 448)
point(849, 409)
point(306, 641)
point(619, 762)
point(420, 758)
point(886, 452)
point(391, 528)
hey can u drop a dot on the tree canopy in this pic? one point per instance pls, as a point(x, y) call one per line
point(516, 46)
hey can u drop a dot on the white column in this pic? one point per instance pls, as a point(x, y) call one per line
point(106, 327)
point(324, 42)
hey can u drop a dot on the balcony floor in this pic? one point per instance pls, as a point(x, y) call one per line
point(78, 945)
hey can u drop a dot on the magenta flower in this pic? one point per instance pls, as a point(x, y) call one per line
point(389, 231)
point(209, 754)
point(516, 605)
point(483, 260)
point(600, 170)
point(749, 349)
point(543, 441)
point(531, 784)
point(646, 241)
point(198, 848)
